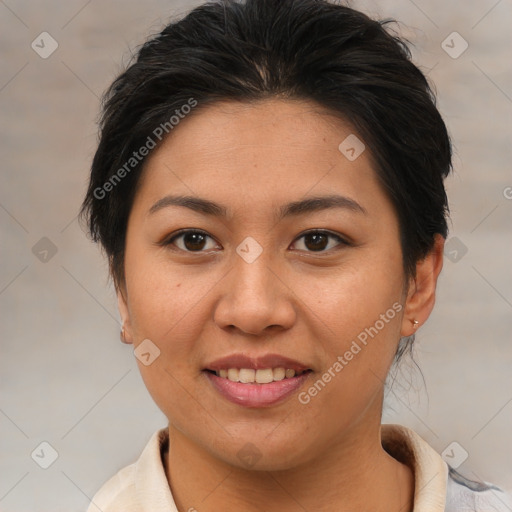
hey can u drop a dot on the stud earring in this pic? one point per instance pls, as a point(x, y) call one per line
point(415, 323)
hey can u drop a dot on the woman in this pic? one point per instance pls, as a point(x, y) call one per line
point(268, 188)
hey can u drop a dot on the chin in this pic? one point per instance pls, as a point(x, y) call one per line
point(259, 454)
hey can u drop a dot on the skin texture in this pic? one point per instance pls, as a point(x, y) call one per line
point(293, 300)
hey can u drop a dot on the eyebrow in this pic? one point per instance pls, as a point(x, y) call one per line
point(295, 208)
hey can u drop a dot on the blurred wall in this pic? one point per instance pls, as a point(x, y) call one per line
point(67, 380)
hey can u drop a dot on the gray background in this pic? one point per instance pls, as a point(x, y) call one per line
point(65, 377)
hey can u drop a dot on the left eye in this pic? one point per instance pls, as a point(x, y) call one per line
point(316, 241)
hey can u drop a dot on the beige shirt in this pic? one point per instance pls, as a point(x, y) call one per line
point(143, 487)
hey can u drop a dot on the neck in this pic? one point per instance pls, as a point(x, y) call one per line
point(355, 474)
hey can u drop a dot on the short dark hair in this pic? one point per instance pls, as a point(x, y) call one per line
point(314, 50)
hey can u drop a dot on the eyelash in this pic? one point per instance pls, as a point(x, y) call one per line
point(170, 241)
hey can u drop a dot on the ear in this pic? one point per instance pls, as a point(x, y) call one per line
point(125, 315)
point(422, 288)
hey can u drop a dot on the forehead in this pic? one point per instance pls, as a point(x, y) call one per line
point(229, 125)
point(252, 151)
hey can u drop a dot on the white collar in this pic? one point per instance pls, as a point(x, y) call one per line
point(430, 470)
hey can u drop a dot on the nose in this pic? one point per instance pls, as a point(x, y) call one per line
point(255, 298)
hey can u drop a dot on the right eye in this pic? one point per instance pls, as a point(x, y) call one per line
point(192, 240)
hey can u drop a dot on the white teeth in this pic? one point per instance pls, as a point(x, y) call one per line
point(262, 376)
point(246, 375)
point(233, 374)
point(289, 373)
point(279, 373)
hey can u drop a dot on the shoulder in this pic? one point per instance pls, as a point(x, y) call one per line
point(118, 491)
point(438, 486)
point(465, 495)
point(139, 486)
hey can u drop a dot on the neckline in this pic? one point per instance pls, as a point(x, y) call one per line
point(429, 469)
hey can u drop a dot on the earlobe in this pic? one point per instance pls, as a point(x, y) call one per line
point(422, 289)
point(126, 330)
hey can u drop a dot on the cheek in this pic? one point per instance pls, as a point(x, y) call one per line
point(163, 298)
point(358, 318)
point(355, 295)
point(166, 308)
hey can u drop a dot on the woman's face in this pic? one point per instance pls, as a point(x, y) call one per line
point(317, 287)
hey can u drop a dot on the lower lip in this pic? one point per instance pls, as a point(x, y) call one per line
point(257, 395)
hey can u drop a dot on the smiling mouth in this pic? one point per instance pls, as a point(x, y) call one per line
point(260, 376)
point(257, 388)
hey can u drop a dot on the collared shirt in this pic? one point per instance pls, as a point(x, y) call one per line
point(143, 486)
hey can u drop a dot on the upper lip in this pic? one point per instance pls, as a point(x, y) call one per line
point(256, 362)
